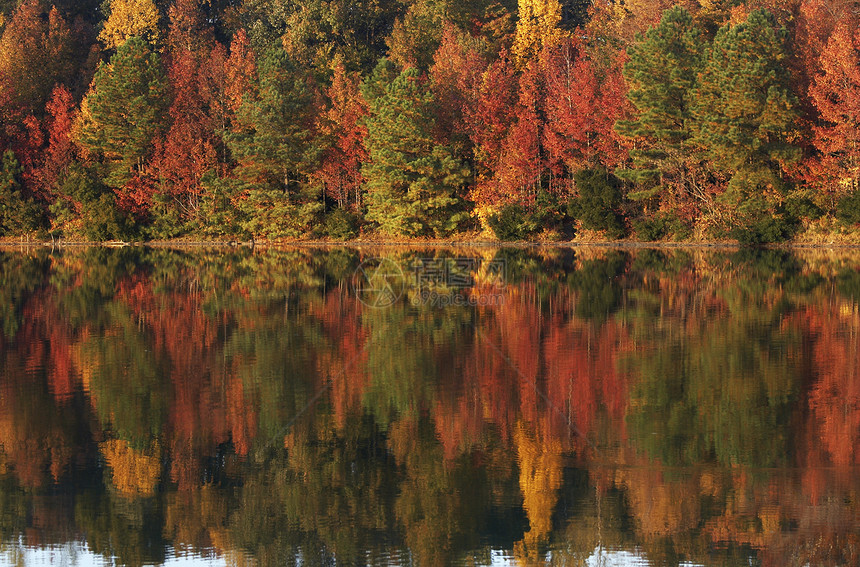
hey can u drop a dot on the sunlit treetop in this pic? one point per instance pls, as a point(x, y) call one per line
point(538, 26)
point(130, 18)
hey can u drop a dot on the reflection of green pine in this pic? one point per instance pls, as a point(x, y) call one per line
point(721, 395)
point(412, 182)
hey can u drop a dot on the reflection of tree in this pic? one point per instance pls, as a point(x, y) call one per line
point(127, 529)
point(133, 472)
point(407, 349)
point(443, 508)
point(274, 358)
point(19, 275)
point(540, 479)
point(722, 389)
point(39, 440)
point(216, 410)
point(125, 379)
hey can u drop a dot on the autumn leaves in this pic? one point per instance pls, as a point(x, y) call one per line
point(325, 118)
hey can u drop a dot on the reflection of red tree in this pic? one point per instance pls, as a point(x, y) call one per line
point(207, 400)
point(834, 398)
point(36, 444)
point(344, 360)
point(582, 376)
point(545, 368)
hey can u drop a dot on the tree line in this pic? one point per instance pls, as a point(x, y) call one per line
point(708, 119)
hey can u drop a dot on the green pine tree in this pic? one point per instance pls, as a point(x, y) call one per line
point(745, 115)
point(272, 150)
point(662, 73)
point(125, 109)
point(413, 183)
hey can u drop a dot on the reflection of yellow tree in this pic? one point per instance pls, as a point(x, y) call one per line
point(134, 472)
point(198, 518)
point(540, 479)
point(661, 508)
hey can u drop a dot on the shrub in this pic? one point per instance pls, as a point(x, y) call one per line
point(598, 202)
point(848, 208)
point(19, 214)
point(510, 223)
point(765, 229)
point(660, 226)
point(100, 218)
point(342, 224)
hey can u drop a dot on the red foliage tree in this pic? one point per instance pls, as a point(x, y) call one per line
point(39, 49)
point(815, 22)
point(241, 71)
point(836, 95)
point(582, 105)
point(189, 148)
point(522, 160)
point(455, 78)
point(488, 117)
point(342, 129)
point(60, 149)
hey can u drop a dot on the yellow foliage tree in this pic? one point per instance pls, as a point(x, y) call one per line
point(537, 27)
point(129, 18)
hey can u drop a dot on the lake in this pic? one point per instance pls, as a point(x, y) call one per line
point(429, 406)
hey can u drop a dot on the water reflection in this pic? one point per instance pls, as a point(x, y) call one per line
point(605, 406)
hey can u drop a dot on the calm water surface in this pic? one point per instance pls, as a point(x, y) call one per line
point(429, 407)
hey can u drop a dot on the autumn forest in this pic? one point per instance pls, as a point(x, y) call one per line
point(336, 119)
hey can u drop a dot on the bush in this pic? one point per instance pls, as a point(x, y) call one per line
point(515, 222)
point(102, 220)
point(270, 213)
point(509, 222)
point(99, 217)
point(19, 214)
point(598, 202)
point(218, 216)
point(765, 229)
point(660, 226)
point(650, 228)
point(342, 224)
point(848, 208)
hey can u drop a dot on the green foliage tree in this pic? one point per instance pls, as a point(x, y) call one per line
point(125, 110)
point(413, 183)
point(19, 214)
point(313, 31)
point(745, 114)
point(416, 36)
point(661, 74)
point(86, 206)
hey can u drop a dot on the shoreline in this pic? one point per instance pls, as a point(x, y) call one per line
point(14, 243)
